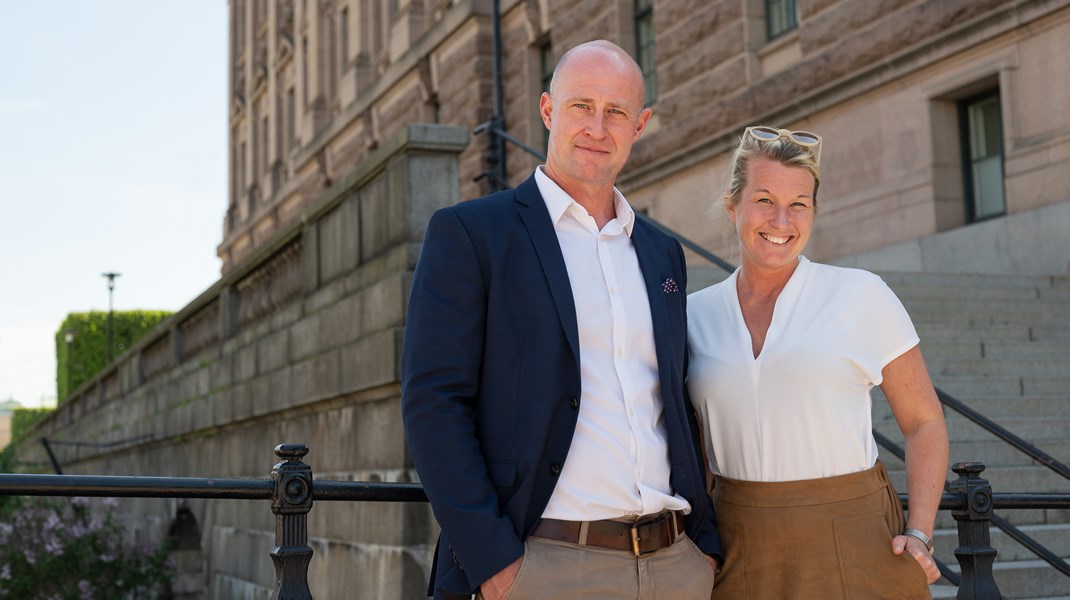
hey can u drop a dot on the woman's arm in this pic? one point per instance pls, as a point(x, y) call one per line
point(917, 411)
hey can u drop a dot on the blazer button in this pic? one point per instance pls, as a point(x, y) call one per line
point(555, 469)
point(573, 402)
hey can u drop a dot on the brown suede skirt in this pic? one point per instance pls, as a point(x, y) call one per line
point(828, 538)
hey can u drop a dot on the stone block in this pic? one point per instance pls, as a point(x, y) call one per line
point(202, 416)
point(383, 220)
point(273, 351)
point(341, 322)
point(241, 402)
point(245, 363)
point(339, 240)
point(304, 337)
point(316, 378)
point(383, 304)
point(370, 362)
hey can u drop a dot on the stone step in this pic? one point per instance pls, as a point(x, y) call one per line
point(939, 331)
point(956, 302)
point(998, 406)
point(1035, 479)
point(979, 290)
point(996, 349)
point(992, 452)
point(1051, 317)
point(1050, 367)
point(1001, 386)
point(1031, 578)
point(1055, 537)
point(966, 280)
point(1032, 429)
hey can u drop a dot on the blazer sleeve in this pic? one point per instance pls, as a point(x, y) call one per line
point(708, 538)
point(441, 364)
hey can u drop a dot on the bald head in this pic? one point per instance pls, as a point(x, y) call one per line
point(607, 53)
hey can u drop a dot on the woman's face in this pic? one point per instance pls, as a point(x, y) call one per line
point(774, 215)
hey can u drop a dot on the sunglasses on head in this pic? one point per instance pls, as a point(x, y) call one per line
point(810, 141)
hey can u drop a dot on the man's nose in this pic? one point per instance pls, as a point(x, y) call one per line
point(596, 125)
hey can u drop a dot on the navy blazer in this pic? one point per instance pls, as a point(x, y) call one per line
point(491, 378)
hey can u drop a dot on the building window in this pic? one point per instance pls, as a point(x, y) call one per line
point(304, 67)
point(644, 46)
point(781, 16)
point(264, 141)
point(344, 35)
point(291, 121)
point(982, 144)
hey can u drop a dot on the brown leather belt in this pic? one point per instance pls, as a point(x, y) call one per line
point(645, 536)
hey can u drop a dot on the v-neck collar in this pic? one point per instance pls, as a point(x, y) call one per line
point(782, 307)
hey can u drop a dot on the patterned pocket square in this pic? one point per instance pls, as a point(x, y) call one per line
point(669, 286)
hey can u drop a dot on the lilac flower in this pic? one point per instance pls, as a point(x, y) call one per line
point(85, 590)
point(5, 571)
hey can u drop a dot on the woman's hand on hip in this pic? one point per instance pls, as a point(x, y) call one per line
point(916, 549)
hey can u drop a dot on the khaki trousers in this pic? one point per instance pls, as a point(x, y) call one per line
point(828, 538)
point(564, 571)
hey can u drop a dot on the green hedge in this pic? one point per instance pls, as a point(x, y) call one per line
point(89, 349)
point(23, 419)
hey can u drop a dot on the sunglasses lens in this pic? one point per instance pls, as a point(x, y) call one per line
point(804, 137)
point(764, 133)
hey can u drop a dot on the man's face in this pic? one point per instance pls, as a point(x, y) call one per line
point(594, 117)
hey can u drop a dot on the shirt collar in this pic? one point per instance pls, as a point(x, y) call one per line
point(558, 201)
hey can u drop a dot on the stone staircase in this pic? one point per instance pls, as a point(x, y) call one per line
point(1001, 345)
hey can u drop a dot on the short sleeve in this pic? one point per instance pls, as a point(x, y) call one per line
point(884, 331)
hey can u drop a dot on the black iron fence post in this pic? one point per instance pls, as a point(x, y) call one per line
point(975, 551)
point(291, 501)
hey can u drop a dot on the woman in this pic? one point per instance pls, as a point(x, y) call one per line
point(783, 356)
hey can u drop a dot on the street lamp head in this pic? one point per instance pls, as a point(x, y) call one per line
point(68, 335)
point(111, 275)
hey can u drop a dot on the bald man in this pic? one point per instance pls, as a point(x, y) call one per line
point(543, 373)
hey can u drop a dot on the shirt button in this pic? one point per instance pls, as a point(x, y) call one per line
point(574, 403)
point(555, 469)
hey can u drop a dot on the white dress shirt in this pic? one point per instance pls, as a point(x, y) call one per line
point(801, 409)
point(618, 463)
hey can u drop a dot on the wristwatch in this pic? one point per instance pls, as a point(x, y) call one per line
point(920, 536)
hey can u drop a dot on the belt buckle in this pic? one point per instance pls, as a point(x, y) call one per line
point(636, 538)
point(635, 542)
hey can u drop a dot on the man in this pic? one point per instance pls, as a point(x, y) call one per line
point(543, 373)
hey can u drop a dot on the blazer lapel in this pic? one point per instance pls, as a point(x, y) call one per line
point(543, 236)
point(654, 267)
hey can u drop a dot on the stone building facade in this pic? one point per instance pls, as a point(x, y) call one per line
point(895, 88)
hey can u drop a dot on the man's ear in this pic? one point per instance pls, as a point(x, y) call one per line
point(546, 109)
point(640, 125)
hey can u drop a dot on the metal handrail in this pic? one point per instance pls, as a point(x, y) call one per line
point(1016, 500)
point(1004, 434)
point(292, 490)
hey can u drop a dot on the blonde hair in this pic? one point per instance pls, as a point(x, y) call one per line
point(781, 150)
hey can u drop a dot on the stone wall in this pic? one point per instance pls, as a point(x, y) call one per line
point(300, 343)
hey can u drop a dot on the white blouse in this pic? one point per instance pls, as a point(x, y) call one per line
point(801, 409)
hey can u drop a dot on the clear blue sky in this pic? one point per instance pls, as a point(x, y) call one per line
point(113, 133)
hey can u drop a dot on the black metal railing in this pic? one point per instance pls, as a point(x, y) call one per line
point(292, 492)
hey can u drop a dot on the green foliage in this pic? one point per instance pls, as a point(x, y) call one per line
point(65, 549)
point(23, 419)
point(89, 348)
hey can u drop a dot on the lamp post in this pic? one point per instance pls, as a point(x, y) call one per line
point(68, 336)
point(111, 287)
